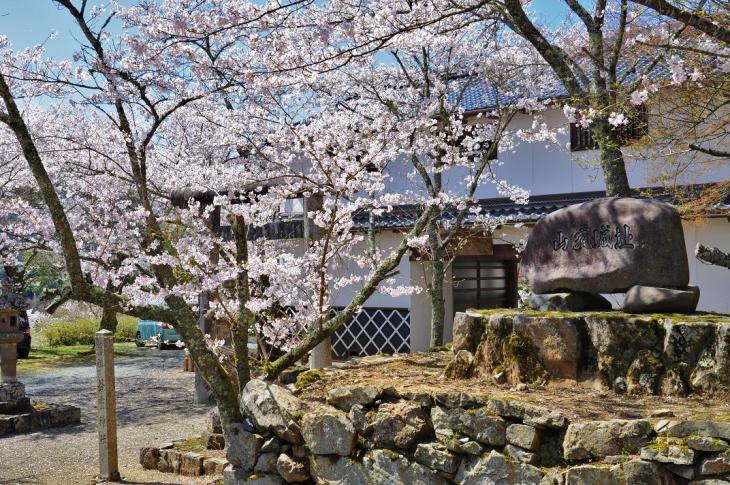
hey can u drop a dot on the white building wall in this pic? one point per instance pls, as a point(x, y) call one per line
point(386, 240)
point(544, 168)
point(714, 281)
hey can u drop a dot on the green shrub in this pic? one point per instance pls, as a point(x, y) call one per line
point(80, 331)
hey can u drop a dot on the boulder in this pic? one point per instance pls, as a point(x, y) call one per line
point(711, 429)
point(346, 397)
point(716, 465)
point(214, 465)
point(327, 431)
point(618, 340)
point(148, 458)
point(669, 450)
point(590, 475)
point(242, 447)
point(238, 476)
point(703, 443)
point(272, 408)
point(457, 400)
point(650, 299)
point(360, 419)
point(497, 469)
point(169, 461)
point(461, 365)
point(556, 340)
point(400, 425)
point(266, 463)
point(685, 342)
point(529, 414)
point(713, 369)
point(478, 425)
point(388, 468)
point(574, 301)
point(291, 470)
point(642, 472)
point(645, 373)
point(521, 455)
point(523, 436)
point(592, 439)
point(434, 456)
point(467, 332)
point(606, 246)
point(191, 464)
point(336, 470)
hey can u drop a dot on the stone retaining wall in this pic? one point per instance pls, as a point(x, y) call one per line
point(364, 435)
point(628, 353)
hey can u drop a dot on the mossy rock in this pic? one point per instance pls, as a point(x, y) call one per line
point(645, 373)
point(307, 378)
point(521, 362)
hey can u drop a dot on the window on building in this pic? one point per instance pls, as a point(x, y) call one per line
point(480, 282)
point(581, 138)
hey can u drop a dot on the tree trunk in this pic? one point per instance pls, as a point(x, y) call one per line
point(436, 287)
point(612, 160)
point(712, 256)
point(108, 319)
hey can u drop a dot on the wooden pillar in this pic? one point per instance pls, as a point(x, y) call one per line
point(321, 355)
point(106, 420)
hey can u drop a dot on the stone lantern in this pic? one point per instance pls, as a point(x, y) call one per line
point(10, 388)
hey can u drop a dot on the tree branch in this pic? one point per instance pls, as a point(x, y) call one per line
point(712, 256)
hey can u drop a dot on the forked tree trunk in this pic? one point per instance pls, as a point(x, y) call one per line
point(612, 160)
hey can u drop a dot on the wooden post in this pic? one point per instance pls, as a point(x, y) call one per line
point(106, 407)
point(321, 355)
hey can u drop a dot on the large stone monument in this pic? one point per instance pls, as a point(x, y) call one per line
point(611, 245)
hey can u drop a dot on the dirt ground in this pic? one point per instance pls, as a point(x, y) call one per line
point(577, 401)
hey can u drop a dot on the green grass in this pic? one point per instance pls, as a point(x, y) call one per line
point(47, 358)
point(81, 330)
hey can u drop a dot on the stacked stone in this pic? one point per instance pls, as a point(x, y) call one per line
point(694, 452)
point(169, 459)
point(629, 353)
point(368, 435)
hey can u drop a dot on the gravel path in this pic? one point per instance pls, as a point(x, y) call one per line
point(154, 406)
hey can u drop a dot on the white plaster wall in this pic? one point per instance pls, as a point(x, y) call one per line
point(420, 307)
point(550, 167)
point(386, 240)
point(714, 281)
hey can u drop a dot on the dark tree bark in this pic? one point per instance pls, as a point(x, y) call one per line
point(687, 17)
point(712, 256)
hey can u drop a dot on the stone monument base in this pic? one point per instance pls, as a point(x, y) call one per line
point(639, 354)
point(19, 415)
point(37, 417)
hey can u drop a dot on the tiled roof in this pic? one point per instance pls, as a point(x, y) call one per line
point(480, 95)
point(509, 212)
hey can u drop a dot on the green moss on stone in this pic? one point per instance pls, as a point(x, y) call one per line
point(306, 378)
point(710, 317)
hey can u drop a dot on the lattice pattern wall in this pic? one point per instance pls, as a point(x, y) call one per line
point(373, 330)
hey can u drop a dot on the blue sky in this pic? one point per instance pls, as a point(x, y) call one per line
point(28, 22)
